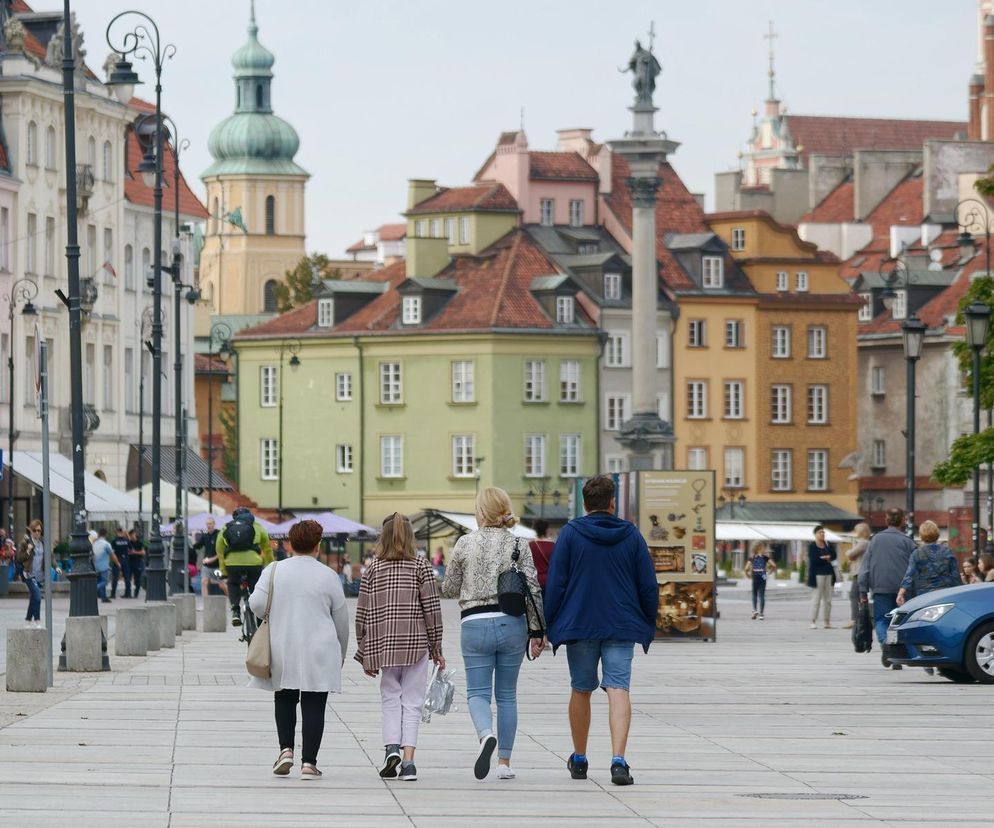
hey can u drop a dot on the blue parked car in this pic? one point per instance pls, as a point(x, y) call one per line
point(949, 629)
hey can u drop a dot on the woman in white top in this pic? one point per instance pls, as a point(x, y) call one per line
point(493, 644)
point(309, 635)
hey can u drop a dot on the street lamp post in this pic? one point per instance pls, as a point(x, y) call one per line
point(731, 500)
point(913, 331)
point(292, 347)
point(221, 332)
point(23, 291)
point(978, 320)
point(144, 42)
point(144, 329)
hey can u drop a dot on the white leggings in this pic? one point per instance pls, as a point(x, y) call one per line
point(402, 692)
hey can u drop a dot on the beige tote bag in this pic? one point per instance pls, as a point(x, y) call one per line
point(259, 661)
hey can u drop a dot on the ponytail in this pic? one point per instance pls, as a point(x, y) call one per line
point(396, 539)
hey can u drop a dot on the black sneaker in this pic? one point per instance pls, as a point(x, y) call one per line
point(620, 774)
point(390, 761)
point(488, 744)
point(578, 770)
point(236, 618)
point(408, 773)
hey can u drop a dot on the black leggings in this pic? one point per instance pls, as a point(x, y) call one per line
point(758, 594)
point(312, 707)
point(235, 581)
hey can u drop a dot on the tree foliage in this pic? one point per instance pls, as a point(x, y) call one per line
point(230, 453)
point(297, 285)
point(982, 290)
point(967, 452)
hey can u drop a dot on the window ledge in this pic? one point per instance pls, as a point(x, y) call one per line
point(572, 402)
point(467, 404)
point(461, 478)
point(535, 402)
point(820, 424)
point(699, 419)
point(392, 478)
point(344, 471)
point(343, 399)
point(735, 419)
point(389, 405)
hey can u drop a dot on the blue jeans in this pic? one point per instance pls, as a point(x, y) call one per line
point(102, 583)
point(883, 602)
point(492, 652)
point(34, 598)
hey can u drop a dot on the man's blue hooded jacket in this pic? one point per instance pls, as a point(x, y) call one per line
point(601, 584)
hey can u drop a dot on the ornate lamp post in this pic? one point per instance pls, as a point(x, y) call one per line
point(22, 292)
point(144, 331)
point(220, 333)
point(913, 331)
point(292, 347)
point(978, 320)
point(731, 500)
point(144, 42)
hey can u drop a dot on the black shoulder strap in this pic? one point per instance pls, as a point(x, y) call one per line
point(517, 550)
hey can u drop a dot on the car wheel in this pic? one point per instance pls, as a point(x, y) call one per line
point(978, 659)
point(956, 676)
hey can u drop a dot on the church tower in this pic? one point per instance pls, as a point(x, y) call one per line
point(255, 193)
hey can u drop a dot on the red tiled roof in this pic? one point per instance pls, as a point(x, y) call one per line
point(677, 211)
point(902, 205)
point(135, 190)
point(481, 197)
point(835, 136)
point(392, 232)
point(565, 166)
point(205, 364)
point(835, 208)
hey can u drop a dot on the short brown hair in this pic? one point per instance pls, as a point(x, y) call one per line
point(987, 561)
point(598, 492)
point(895, 516)
point(929, 531)
point(305, 535)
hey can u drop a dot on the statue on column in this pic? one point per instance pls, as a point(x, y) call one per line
point(644, 68)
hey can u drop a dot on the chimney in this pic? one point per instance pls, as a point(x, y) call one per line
point(574, 140)
point(420, 189)
point(987, 124)
point(976, 91)
point(512, 163)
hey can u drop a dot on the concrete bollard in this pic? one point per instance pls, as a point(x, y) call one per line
point(186, 610)
point(131, 631)
point(84, 642)
point(27, 650)
point(178, 631)
point(163, 615)
point(216, 613)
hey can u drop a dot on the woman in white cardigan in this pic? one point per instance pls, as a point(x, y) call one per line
point(309, 636)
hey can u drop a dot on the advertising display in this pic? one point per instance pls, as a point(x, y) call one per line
point(675, 513)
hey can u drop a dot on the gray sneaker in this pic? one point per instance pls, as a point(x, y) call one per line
point(408, 773)
point(388, 770)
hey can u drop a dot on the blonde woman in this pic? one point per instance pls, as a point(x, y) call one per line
point(493, 644)
point(855, 557)
point(398, 627)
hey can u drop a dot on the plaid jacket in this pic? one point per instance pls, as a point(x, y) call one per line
point(399, 615)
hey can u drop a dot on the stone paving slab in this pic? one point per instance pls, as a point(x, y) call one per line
point(176, 740)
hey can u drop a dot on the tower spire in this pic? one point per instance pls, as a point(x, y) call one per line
point(770, 36)
point(253, 27)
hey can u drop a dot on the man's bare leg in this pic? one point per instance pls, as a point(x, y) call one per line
point(619, 717)
point(579, 720)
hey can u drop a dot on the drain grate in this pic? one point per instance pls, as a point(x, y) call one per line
point(839, 796)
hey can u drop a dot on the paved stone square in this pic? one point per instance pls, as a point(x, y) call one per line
point(771, 709)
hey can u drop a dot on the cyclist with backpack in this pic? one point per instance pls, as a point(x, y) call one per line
point(243, 549)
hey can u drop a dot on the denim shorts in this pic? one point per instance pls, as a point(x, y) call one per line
point(615, 658)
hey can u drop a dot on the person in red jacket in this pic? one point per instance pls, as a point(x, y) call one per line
point(541, 549)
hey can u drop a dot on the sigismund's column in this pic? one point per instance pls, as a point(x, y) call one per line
point(644, 149)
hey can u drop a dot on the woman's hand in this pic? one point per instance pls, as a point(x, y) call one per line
point(439, 662)
point(537, 645)
point(900, 598)
point(372, 673)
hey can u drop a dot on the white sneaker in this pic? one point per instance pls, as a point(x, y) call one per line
point(505, 772)
point(814, 626)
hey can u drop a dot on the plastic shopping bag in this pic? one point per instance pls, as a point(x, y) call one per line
point(440, 695)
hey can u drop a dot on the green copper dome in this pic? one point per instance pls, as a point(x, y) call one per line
point(253, 140)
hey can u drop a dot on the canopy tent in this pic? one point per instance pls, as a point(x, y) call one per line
point(779, 532)
point(198, 523)
point(103, 501)
point(331, 524)
point(736, 532)
point(195, 504)
point(432, 523)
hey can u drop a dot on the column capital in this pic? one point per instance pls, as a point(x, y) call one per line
point(643, 190)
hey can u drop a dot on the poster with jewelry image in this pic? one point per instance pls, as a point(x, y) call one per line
point(674, 511)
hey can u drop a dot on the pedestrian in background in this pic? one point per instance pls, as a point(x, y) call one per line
point(309, 636)
point(855, 557)
point(206, 544)
point(103, 559)
point(884, 566)
point(31, 558)
point(136, 560)
point(398, 627)
point(932, 566)
point(122, 551)
point(759, 566)
point(969, 572)
point(985, 567)
point(821, 577)
point(541, 549)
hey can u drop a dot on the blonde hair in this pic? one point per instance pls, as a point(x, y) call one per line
point(396, 539)
point(760, 547)
point(928, 531)
point(493, 508)
point(861, 531)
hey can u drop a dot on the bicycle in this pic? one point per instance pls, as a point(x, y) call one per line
point(249, 622)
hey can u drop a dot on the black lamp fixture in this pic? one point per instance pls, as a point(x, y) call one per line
point(913, 331)
point(123, 79)
point(965, 243)
point(879, 503)
point(978, 321)
point(294, 362)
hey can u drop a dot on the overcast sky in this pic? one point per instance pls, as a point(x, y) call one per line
point(385, 90)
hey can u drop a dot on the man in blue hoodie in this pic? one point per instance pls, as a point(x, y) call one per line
point(601, 599)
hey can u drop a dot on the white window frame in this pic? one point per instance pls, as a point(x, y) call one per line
point(269, 459)
point(878, 458)
point(697, 399)
point(392, 465)
point(697, 333)
point(617, 352)
point(534, 455)
point(31, 155)
point(817, 342)
point(421, 228)
point(734, 399)
point(391, 383)
point(326, 313)
point(615, 463)
point(565, 310)
point(344, 462)
point(268, 386)
point(410, 310)
point(436, 228)
point(569, 381)
point(733, 467)
point(612, 285)
point(817, 470)
point(51, 151)
point(109, 377)
point(463, 455)
point(343, 386)
point(569, 455)
point(617, 409)
point(697, 458)
point(802, 281)
point(781, 470)
point(464, 230)
point(463, 384)
point(738, 238)
point(712, 272)
point(534, 380)
point(576, 212)
point(818, 404)
point(450, 230)
point(865, 313)
point(781, 404)
point(733, 333)
point(780, 342)
point(547, 212)
point(878, 380)
point(783, 281)
point(899, 307)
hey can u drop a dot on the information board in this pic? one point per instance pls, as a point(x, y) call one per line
point(675, 514)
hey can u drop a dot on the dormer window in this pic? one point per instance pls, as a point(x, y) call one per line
point(612, 286)
point(576, 213)
point(547, 209)
point(714, 272)
point(866, 309)
point(585, 248)
point(738, 238)
point(565, 310)
point(326, 313)
point(899, 308)
point(411, 310)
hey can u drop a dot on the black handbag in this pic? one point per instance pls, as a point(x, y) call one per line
point(512, 588)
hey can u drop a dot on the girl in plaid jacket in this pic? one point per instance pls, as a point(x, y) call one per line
point(398, 624)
